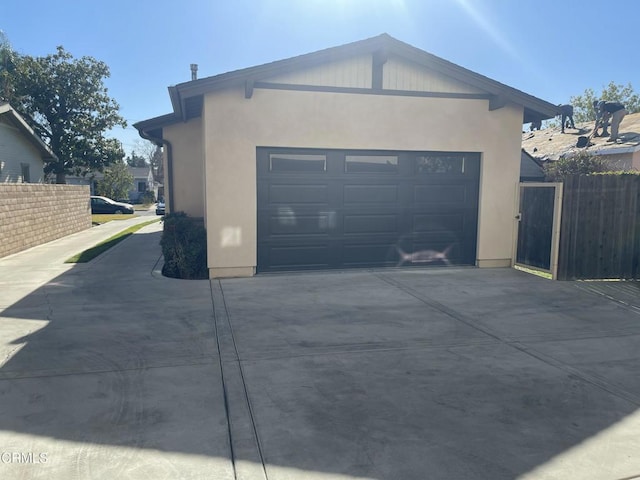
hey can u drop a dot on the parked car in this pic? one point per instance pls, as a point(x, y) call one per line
point(160, 207)
point(106, 205)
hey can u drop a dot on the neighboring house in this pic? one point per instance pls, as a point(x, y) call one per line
point(373, 153)
point(22, 152)
point(142, 183)
point(530, 169)
point(550, 144)
point(91, 179)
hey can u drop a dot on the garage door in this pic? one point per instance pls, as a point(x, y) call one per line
point(323, 209)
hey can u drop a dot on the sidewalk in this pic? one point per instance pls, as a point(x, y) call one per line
point(107, 370)
point(26, 270)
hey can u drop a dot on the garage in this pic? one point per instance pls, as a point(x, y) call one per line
point(369, 154)
point(327, 209)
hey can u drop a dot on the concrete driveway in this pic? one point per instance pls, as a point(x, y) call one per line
point(112, 371)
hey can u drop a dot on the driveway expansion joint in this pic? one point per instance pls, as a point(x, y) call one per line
point(594, 380)
point(246, 451)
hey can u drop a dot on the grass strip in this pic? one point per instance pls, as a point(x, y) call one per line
point(105, 245)
point(100, 218)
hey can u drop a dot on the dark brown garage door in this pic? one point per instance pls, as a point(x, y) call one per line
point(321, 209)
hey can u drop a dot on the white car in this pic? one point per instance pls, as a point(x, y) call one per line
point(160, 207)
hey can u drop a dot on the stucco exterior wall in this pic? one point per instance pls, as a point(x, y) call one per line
point(235, 126)
point(188, 172)
point(33, 214)
point(16, 150)
point(636, 160)
point(619, 161)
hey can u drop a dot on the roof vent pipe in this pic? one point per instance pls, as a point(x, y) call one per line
point(194, 71)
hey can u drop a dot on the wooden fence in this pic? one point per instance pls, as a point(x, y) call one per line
point(600, 232)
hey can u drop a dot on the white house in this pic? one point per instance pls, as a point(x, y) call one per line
point(22, 152)
point(142, 183)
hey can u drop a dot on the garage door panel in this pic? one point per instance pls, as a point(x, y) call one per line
point(299, 256)
point(437, 253)
point(357, 194)
point(298, 194)
point(441, 194)
point(287, 223)
point(438, 223)
point(370, 224)
point(369, 254)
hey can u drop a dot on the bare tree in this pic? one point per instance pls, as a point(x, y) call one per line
point(152, 154)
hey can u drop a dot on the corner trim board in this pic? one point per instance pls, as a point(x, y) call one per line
point(248, 88)
point(378, 59)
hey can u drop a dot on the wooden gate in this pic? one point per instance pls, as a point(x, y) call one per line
point(540, 206)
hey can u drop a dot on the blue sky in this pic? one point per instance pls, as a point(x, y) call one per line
point(552, 49)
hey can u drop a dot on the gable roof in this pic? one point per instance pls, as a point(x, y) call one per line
point(187, 97)
point(140, 172)
point(530, 168)
point(8, 113)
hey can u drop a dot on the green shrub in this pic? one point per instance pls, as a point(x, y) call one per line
point(148, 197)
point(184, 246)
point(582, 163)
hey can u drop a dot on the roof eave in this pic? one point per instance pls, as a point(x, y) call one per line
point(151, 129)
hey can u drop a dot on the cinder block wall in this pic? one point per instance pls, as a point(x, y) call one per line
point(33, 213)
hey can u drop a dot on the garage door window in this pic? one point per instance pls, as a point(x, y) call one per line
point(440, 164)
point(297, 163)
point(371, 164)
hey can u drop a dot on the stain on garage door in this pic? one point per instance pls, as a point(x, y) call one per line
point(322, 209)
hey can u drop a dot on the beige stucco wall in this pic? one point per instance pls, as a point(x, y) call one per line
point(188, 173)
point(235, 126)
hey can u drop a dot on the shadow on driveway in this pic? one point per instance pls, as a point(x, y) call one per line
point(113, 372)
